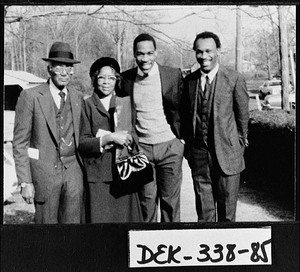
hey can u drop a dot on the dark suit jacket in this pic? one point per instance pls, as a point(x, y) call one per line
point(94, 116)
point(230, 117)
point(172, 87)
point(35, 127)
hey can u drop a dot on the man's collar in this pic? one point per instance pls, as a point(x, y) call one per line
point(212, 73)
point(154, 70)
point(54, 88)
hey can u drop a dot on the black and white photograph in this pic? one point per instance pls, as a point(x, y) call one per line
point(150, 117)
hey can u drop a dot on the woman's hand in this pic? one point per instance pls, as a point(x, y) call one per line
point(122, 138)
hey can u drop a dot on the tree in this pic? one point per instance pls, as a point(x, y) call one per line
point(118, 23)
point(238, 56)
point(95, 31)
point(282, 12)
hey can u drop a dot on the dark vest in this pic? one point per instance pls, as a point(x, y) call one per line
point(204, 121)
point(64, 122)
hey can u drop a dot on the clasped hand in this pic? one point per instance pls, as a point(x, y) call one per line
point(122, 138)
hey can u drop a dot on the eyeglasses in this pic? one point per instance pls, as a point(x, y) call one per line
point(60, 69)
point(109, 78)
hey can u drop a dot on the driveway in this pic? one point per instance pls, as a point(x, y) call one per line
point(251, 206)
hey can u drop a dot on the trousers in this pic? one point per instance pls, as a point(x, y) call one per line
point(216, 194)
point(65, 203)
point(166, 160)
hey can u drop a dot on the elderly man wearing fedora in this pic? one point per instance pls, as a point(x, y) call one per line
point(46, 136)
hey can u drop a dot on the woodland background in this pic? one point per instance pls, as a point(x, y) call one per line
point(251, 36)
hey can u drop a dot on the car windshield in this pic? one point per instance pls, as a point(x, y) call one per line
point(274, 83)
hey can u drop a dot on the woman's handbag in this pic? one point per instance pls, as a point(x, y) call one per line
point(133, 167)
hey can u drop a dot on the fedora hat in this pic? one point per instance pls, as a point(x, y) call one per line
point(61, 52)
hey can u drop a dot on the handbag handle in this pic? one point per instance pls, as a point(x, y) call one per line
point(129, 150)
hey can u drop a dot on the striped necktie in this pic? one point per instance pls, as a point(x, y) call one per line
point(62, 100)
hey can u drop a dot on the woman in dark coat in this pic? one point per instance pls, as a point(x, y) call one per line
point(97, 145)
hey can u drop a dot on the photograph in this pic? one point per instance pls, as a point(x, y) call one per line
point(148, 117)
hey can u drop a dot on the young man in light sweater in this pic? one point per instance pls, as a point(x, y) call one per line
point(155, 91)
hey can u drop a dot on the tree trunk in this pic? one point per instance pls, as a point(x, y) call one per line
point(238, 61)
point(293, 68)
point(12, 56)
point(282, 12)
point(20, 62)
point(268, 55)
point(119, 52)
point(76, 46)
point(24, 49)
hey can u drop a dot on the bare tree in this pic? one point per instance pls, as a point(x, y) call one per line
point(54, 20)
point(238, 56)
point(267, 52)
point(95, 31)
point(282, 12)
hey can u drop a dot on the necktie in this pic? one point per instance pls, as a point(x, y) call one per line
point(145, 75)
point(206, 87)
point(62, 100)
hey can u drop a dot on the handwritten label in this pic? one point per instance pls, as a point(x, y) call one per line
point(201, 247)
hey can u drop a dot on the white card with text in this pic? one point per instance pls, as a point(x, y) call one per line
point(200, 247)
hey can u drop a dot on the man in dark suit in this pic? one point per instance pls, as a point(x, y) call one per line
point(214, 125)
point(46, 134)
point(155, 91)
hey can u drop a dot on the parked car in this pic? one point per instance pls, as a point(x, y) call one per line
point(271, 87)
point(273, 101)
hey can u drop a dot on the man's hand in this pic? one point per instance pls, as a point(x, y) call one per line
point(27, 192)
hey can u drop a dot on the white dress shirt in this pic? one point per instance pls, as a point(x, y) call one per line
point(211, 75)
point(55, 93)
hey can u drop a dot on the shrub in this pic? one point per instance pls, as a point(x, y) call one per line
point(273, 119)
point(270, 156)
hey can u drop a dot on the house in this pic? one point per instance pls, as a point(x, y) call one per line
point(14, 83)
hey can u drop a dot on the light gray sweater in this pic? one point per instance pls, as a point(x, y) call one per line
point(151, 124)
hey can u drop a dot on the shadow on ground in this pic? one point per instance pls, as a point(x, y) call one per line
point(272, 201)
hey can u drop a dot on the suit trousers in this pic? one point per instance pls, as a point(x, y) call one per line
point(166, 160)
point(215, 193)
point(65, 203)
